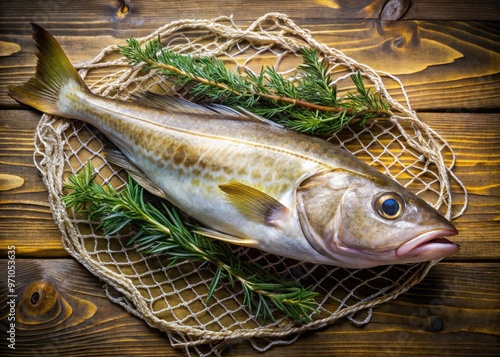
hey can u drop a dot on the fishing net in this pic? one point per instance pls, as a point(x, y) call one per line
point(173, 299)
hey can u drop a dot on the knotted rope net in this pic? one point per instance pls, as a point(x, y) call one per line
point(173, 299)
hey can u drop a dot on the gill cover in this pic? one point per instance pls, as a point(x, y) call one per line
point(319, 206)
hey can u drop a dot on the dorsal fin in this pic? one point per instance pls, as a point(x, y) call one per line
point(181, 105)
point(172, 104)
point(259, 118)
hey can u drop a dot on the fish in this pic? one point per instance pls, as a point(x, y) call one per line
point(248, 181)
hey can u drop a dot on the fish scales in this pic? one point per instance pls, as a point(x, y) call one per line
point(207, 145)
point(249, 182)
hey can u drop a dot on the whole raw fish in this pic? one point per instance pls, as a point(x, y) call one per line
point(250, 182)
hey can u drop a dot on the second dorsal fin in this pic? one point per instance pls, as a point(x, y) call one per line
point(172, 104)
point(181, 105)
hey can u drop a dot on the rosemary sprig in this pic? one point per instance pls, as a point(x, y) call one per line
point(307, 103)
point(161, 230)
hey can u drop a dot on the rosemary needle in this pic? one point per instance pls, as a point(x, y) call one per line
point(161, 230)
point(307, 103)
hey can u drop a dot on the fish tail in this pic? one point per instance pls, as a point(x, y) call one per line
point(54, 72)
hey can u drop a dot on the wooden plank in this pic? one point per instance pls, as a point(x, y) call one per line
point(443, 65)
point(25, 217)
point(26, 220)
point(62, 10)
point(436, 61)
point(454, 311)
point(485, 10)
point(475, 139)
point(57, 315)
point(451, 296)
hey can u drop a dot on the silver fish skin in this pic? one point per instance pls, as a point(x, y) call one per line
point(250, 182)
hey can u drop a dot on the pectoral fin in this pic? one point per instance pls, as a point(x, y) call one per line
point(245, 242)
point(256, 205)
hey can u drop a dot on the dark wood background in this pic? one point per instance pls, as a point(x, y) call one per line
point(447, 55)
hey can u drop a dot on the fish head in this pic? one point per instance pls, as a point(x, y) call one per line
point(362, 221)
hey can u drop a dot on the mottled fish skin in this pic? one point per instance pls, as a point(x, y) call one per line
point(250, 182)
point(192, 155)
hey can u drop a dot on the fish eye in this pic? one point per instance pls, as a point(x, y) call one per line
point(389, 205)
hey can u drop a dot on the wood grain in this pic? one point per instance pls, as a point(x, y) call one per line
point(443, 64)
point(9, 182)
point(62, 10)
point(60, 308)
point(25, 217)
point(8, 48)
point(475, 138)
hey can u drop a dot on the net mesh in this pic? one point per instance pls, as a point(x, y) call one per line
point(174, 299)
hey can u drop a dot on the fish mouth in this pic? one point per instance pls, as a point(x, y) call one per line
point(430, 245)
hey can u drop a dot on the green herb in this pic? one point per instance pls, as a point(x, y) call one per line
point(307, 103)
point(161, 230)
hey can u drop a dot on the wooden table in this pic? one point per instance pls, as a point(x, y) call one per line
point(447, 55)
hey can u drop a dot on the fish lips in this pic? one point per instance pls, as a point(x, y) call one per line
point(430, 245)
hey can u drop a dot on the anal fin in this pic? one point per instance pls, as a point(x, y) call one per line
point(227, 238)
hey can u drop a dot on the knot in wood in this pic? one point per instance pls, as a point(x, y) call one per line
point(437, 323)
point(399, 42)
point(394, 10)
point(123, 9)
point(39, 302)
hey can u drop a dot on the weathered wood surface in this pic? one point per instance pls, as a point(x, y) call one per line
point(447, 55)
point(428, 56)
point(62, 310)
point(64, 11)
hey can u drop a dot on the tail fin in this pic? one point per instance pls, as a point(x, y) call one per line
point(53, 72)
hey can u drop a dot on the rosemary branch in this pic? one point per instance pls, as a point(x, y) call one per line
point(307, 103)
point(161, 230)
